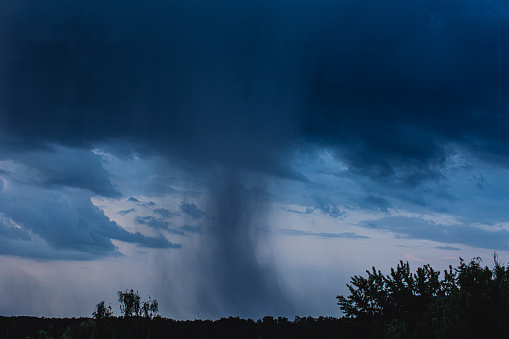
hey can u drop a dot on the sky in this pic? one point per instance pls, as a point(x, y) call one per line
point(245, 158)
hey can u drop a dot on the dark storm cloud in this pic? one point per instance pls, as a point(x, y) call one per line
point(156, 73)
point(384, 83)
point(192, 210)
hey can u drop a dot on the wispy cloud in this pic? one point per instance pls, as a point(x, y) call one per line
point(349, 235)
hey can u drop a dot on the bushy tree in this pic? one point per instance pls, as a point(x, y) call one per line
point(470, 301)
point(129, 303)
point(150, 308)
point(102, 312)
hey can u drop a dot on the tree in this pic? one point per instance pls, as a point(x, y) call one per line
point(102, 312)
point(129, 303)
point(150, 308)
point(102, 325)
point(470, 301)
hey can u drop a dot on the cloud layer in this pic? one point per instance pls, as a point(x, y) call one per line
point(244, 85)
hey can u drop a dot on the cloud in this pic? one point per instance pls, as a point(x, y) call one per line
point(125, 212)
point(386, 86)
point(374, 202)
point(61, 224)
point(348, 235)
point(141, 203)
point(10, 230)
point(190, 228)
point(448, 248)
point(164, 225)
point(57, 166)
point(165, 213)
point(469, 235)
point(308, 210)
point(192, 210)
point(330, 209)
point(152, 222)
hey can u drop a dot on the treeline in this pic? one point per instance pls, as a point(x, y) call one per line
point(469, 301)
point(159, 327)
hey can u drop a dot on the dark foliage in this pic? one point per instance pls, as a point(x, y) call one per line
point(470, 301)
point(158, 327)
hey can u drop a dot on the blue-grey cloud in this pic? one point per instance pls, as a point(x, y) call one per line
point(142, 203)
point(308, 210)
point(56, 167)
point(330, 209)
point(165, 213)
point(152, 222)
point(348, 235)
point(126, 212)
point(192, 210)
point(448, 248)
point(11, 231)
point(62, 224)
point(159, 224)
point(374, 202)
point(190, 228)
point(470, 235)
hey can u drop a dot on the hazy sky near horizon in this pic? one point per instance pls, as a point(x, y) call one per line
point(245, 158)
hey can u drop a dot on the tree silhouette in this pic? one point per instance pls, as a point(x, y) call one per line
point(129, 303)
point(470, 301)
point(102, 312)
